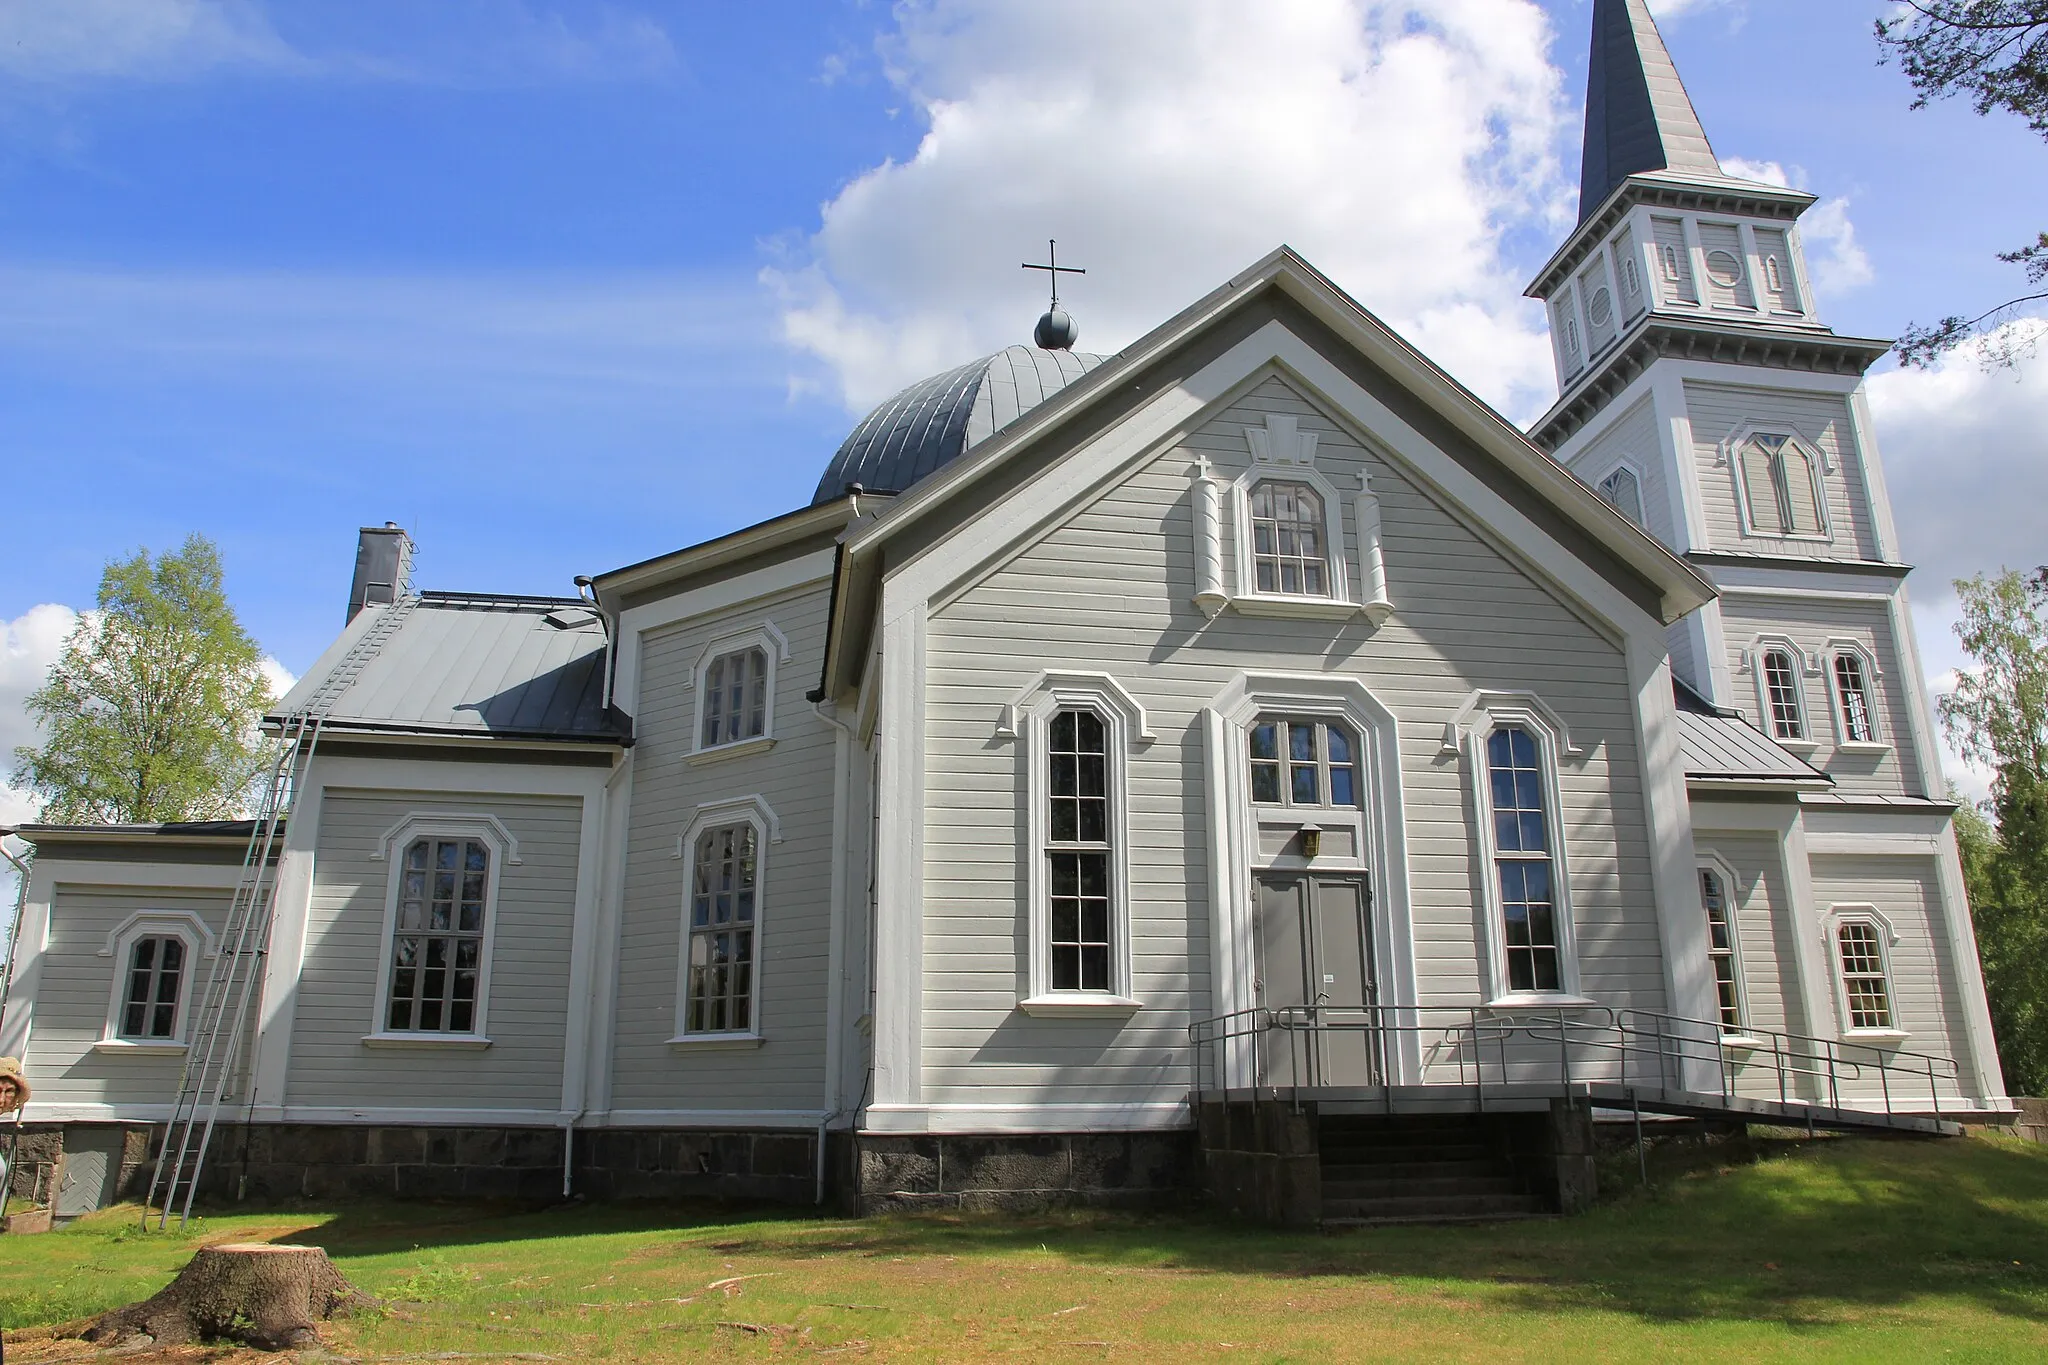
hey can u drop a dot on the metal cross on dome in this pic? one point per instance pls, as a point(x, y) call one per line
point(1053, 270)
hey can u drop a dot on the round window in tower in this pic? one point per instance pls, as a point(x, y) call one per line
point(1601, 309)
point(1723, 268)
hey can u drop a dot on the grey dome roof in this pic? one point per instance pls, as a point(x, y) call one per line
point(935, 420)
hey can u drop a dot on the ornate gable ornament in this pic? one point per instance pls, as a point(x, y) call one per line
point(1281, 441)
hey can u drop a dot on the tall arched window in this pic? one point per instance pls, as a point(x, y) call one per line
point(1782, 488)
point(1721, 950)
point(1866, 986)
point(1077, 852)
point(1523, 862)
point(724, 908)
point(155, 986)
point(1852, 699)
point(1288, 533)
point(438, 942)
point(1786, 713)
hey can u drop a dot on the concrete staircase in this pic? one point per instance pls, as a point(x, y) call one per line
point(1417, 1169)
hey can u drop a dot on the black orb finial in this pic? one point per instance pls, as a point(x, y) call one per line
point(1056, 330)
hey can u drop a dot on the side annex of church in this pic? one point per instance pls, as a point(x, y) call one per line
point(1113, 747)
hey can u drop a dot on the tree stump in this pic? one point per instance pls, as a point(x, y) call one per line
point(269, 1297)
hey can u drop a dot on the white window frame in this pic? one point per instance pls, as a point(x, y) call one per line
point(198, 939)
point(1818, 462)
point(1887, 939)
point(1867, 659)
point(1731, 894)
point(1641, 521)
point(503, 849)
point(1475, 724)
point(1283, 453)
point(1802, 668)
point(774, 647)
point(755, 812)
point(1027, 720)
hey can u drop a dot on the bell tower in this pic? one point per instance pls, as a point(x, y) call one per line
point(1701, 394)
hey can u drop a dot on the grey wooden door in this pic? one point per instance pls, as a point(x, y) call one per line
point(87, 1170)
point(1314, 971)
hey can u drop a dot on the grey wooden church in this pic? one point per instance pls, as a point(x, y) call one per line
point(1223, 763)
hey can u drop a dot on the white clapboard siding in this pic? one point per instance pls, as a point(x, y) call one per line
point(1112, 590)
point(1925, 1000)
point(1810, 623)
point(795, 778)
point(76, 985)
point(1821, 420)
point(1635, 437)
point(345, 945)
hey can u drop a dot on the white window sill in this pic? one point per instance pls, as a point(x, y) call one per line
point(1803, 747)
point(1300, 608)
point(1538, 1001)
point(715, 1042)
point(1875, 1037)
point(1863, 746)
point(1742, 1042)
point(1068, 1004)
point(443, 1042)
point(140, 1047)
point(737, 749)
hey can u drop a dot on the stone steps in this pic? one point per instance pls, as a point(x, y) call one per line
point(1422, 1170)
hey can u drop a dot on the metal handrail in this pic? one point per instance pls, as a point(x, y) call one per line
point(1560, 1047)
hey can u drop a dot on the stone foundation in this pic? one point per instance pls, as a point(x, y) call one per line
point(1020, 1172)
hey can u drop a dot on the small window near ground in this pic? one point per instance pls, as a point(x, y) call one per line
point(156, 980)
point(1303, 763)
point(437, 948)
point(1522, 861)
point(1721, 950)
point(1864, 987)
point(735, 704)
point(723, 910)
point(1288, 531)
point(1852, 699)
point(1077, 852)
point(1622, 491)
point(1781, 695)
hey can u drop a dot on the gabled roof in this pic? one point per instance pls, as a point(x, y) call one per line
point(1282, 284)
point(476, 666)
point(1638, 116)
point(1723, 750)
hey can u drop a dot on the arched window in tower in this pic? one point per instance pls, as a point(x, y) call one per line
point(1622, 491)
point(1787, 717)
point(1781, 488)
point(1288, 531)
point(1852, 699)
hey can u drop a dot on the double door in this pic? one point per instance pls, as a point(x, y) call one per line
point(1314, 973)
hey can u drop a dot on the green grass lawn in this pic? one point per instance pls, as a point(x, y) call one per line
point(1833, 1250)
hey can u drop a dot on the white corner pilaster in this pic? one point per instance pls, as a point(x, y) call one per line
point(285, 955)
point(899, 869)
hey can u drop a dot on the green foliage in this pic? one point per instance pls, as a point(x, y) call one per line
point(1998, 716)
point(1995, 52)
point(150, 713)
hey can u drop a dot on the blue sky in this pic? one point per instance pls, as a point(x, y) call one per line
point(564, 285)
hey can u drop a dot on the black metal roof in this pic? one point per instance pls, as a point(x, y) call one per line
point(1638, 116)
point(935, 420)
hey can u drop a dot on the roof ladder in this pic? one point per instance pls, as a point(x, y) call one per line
point(221, 1021)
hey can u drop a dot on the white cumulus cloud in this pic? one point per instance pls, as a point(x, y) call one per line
point(1838, 262)
point(1168, 144)
point(29, 644)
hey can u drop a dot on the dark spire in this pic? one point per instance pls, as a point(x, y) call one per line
point(1638, 116)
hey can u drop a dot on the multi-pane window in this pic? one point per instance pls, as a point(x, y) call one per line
point(438, 946)
point(1863, 982)
point(735, 705)
point(156, 976)
point(1721, 949)
point(1303, 763)
point(1624, 493)
point(1078, 851)
point(1781, 695)
point(724, 904)
point(1852, 699)
point(1522, 860)
point(1783, 488)
point(1288, 533)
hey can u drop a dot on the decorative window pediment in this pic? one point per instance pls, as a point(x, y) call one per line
point(1780, 483)
point(735, 681)
point(157, 957)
